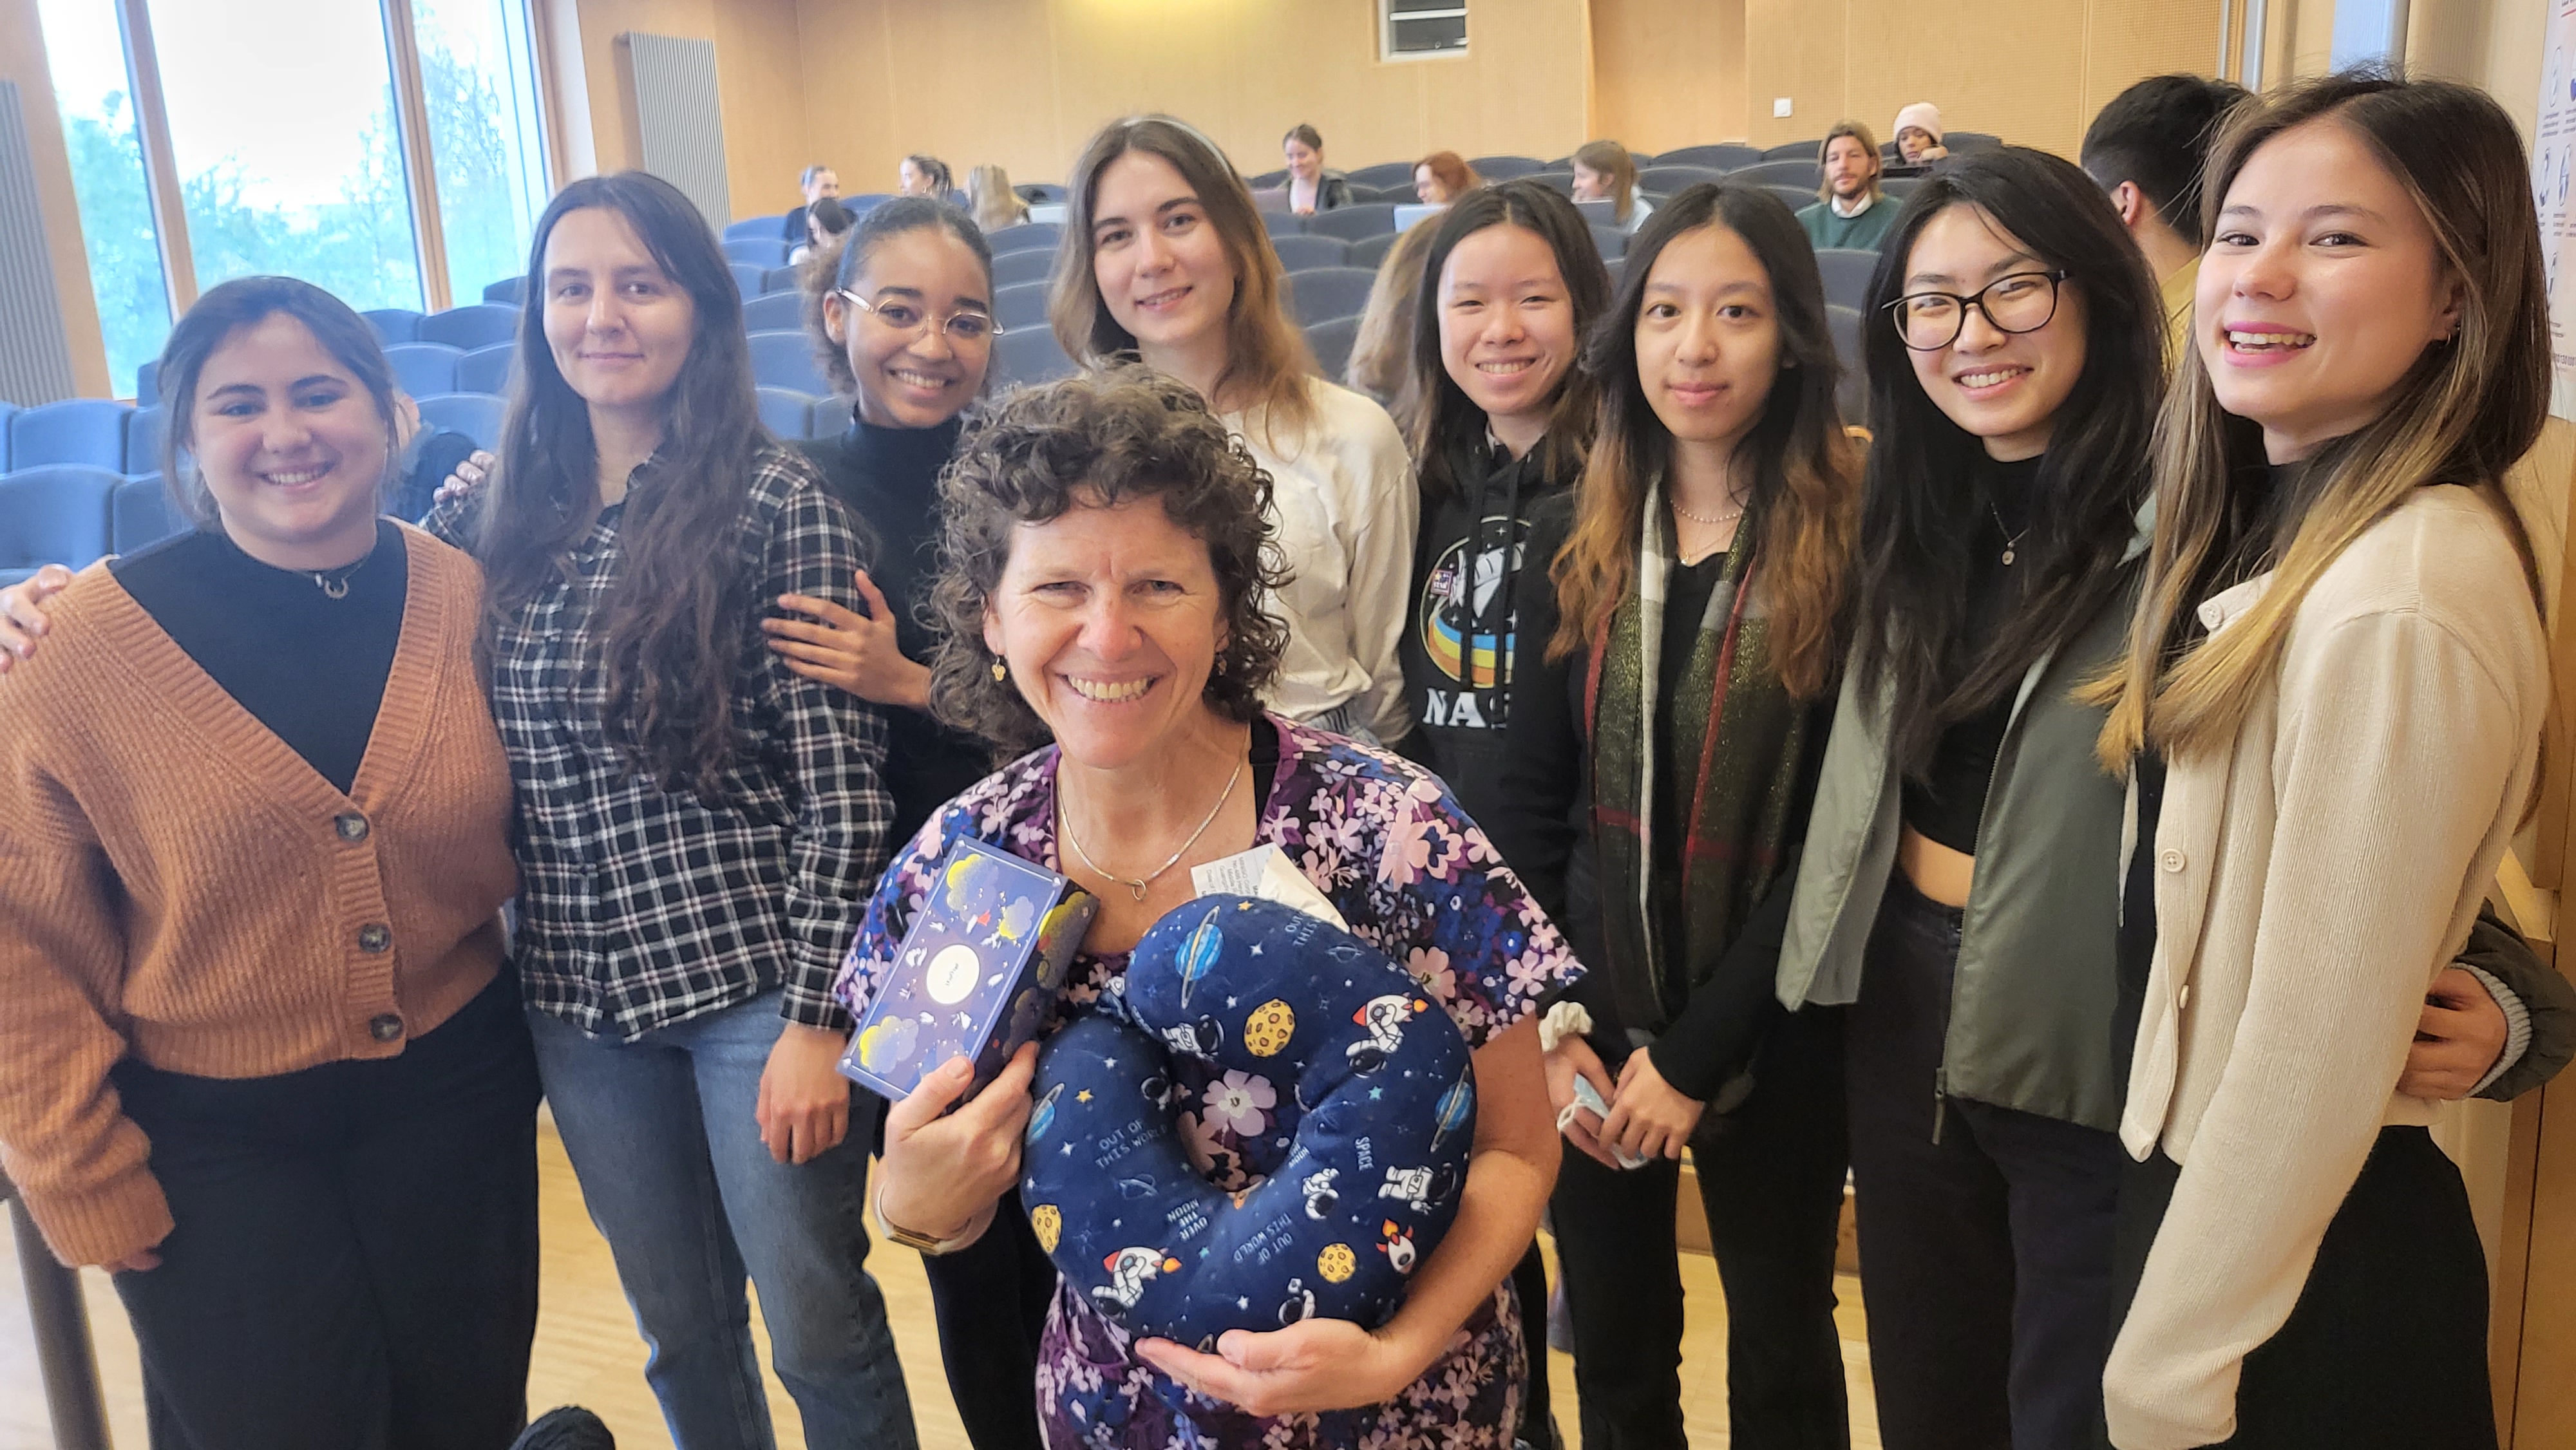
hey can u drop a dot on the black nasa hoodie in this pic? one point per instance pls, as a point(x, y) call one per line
point(1469, 565)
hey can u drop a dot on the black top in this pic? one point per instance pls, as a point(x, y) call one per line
point(1474, 565)
point(1947, 803)
point(432, 455)
point(309, 667)
point(1542, 829)
point(794, 228)
point(1686, 594)
point(890, 478)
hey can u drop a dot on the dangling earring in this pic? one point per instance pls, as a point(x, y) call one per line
point(1001, 671)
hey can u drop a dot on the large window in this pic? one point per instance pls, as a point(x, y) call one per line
point(478, 88)
point(87, 54)
point(287, 128)
point(288, 155)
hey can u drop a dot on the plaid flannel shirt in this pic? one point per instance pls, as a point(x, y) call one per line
point(641, 907)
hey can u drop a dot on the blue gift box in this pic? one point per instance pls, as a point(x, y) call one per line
point(977, 975)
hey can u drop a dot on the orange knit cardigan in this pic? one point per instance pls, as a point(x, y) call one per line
point(177, 885)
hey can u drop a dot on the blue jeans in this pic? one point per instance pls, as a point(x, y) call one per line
point(661, 1135)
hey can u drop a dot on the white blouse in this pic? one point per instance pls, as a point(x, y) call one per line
point(1346, 507)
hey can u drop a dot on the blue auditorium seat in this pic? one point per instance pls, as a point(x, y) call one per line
point(1281, 224)
point(1269, 180)
point(746, 278)
point(784, 412)
point(486, 369)
point(828, 418)
point(1506, 168)
point(147, 382)
point(1730, 156)
point(140, 513)
point(774, 312)
point(1329, 292)
point(1353, 223)
point(1040, 191)
point(1372, 252)
point(1021, 305)
point(781, 278)
point(1610, 242)
point(1661, 180)
point(763, 252)
point(1401, 194)
point(1030, 355)
point(1026, 236)
point(1900, 187)
point(56, 514)
point(394, 324)
point(424, 368)
point(1385, 173)
point(757, 226)
point(1963, 143)
point(1796, 151)
point(1560, 182)
point(1033, 265)
point(76, 430)
point(1795, 198)
point(478, 324)
point(1846, 272)
point(1844, 324)
point(785, 359)
point(1331, 341)
point(1306, 253)
point(476, 415)
point(509, 291)
point(1802, 173)
point(144, 429)
point(7, 411)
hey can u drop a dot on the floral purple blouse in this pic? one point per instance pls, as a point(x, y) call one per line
point(1415, 878)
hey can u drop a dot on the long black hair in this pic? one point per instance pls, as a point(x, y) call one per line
point(1448, 420)
point(1923, 507)
point(672, 628)
point(1804, 463)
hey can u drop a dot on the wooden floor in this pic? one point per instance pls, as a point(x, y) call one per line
point(587, 1351)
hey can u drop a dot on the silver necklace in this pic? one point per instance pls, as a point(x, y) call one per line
point(2012, 541)
point(1136, 886)
point(334, 583)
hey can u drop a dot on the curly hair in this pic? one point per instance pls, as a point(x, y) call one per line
point(1096, 441)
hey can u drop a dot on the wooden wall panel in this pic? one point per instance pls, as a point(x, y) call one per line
point(759, 77)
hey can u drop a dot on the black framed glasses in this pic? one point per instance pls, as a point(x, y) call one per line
point(2017, 302)
point(961, 327)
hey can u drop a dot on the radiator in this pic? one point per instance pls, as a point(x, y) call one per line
point(35, 355)
point(678, 122)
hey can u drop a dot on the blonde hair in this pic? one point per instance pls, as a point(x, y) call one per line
point(990, 200)
point(1267, 362)
point(1381, 362)
point(2470, 407)
point(1612, 160)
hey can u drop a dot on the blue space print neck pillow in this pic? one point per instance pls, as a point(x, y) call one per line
point(1375, 1112)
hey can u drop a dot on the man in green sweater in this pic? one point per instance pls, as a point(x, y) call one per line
point(1850, 210)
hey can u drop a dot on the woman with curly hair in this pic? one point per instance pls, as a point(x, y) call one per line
point(1108, 555)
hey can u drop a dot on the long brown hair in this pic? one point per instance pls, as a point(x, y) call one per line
point(1611, 160)
point(1381, 362)
point(673, 628)
point(1266, 358)
point(1445, 420)
point(2464, 414)
point(1806, 473)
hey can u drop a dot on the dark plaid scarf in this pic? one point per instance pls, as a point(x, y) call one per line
point(1745, 746)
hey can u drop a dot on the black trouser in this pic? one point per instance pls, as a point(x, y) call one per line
point(1529, 1286)
point(991, 1300)
point(2387, 1347)
point(1985, 1233)
point(354, 1262)
point(1771, 1183)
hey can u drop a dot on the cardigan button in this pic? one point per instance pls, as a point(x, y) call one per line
point(375, 936)
point(2171, 860)
point(352, 826)
point(385, 1027)
point(2183, 1002)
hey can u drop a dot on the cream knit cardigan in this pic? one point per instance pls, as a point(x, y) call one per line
point(2309, 887)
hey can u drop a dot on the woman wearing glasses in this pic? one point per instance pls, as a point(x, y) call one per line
point(1960, 885)
point(904, 324)
point(1165, 262)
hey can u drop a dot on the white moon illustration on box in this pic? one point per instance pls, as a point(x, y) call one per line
point(952, 974)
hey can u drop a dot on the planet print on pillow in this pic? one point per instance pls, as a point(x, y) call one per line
point(1352, 1094)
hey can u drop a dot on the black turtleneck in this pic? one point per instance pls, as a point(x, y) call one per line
point(890, 478)
point(309, 667)
point(1948, 803)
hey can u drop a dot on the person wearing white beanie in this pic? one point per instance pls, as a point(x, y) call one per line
point(1918, 134)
